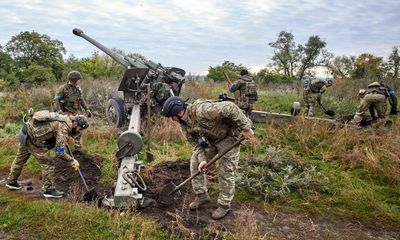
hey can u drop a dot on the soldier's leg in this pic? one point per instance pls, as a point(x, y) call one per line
point(380, 106)
point(199, 183)
point(227, 170)
point(18, 163)
point(306, 104)
point(78, 141)
point(364, 106)
point(312, 102)
point(48, 168)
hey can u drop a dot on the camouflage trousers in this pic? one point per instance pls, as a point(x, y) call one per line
point(245, 107)
point(42, 155)
point(310, 100)
point(227, 166)
point(372, 100)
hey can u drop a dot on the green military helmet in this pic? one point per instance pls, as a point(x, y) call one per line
point(74, 76)
point(374, 84)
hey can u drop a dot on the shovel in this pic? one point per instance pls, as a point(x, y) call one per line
point(327, 112)
point(170, 188)
point(89, 195)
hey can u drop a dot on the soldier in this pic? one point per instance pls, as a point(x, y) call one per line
point(373, 97)
point(69, 100)
point(210, 124)
point(45, 131)
point(312, 93)
point(247, 92)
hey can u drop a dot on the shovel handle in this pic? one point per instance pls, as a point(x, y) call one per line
point(79, 171)
point(211, 162)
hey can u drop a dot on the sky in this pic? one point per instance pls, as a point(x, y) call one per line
point(194, 35)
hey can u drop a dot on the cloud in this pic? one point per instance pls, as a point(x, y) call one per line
point(199, 33)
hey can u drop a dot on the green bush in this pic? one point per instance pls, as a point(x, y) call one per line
point(38, 74)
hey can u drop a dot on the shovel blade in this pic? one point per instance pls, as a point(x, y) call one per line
point(165, 197)
point(149, 156)
point(330, 113)
point(90, 196)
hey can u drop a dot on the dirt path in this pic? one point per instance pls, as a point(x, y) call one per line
point(246, 221)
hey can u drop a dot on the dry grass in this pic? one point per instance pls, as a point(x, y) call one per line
point(376, 150)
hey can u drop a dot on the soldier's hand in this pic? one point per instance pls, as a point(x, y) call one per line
point(248, 134)
point(202, 166)
point(88, 113)
point(75, 165)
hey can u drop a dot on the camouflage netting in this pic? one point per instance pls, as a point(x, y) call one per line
point(278, 174)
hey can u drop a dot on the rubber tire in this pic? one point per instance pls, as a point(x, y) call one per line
point(118, 106)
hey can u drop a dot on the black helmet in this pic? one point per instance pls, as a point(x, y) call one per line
point(74, 76)
point(172, 106)
point(244, 72)
point(81, 121)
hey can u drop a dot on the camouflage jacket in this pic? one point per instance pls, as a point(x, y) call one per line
point(316, 86)
point(70, 98)
point(51, 133)
point(213, 120)
point(247, 91)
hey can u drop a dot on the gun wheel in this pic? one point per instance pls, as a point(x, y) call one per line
point(115, 112)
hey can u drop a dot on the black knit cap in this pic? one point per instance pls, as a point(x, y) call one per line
point(172, 106)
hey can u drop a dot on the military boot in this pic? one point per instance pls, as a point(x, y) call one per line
point(200, 199)
point(220, 212)
point(13, 185)
point(53, 193)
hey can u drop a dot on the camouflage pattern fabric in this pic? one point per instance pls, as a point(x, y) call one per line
point(221, 124)
point(312, 91)
point(42, 137)
point(373, 100)
point(71, 100)
point(247, 93)
point(310, 101)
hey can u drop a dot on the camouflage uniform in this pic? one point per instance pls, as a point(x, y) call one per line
point(220, 123)
point(375, 98)
point(69, 100)
point(312, 92)
point(247, 93)
point(41, 137)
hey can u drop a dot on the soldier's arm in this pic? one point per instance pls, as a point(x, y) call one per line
point(58, 98)
point(62, 141)
point(235, 86)
point(83, 102)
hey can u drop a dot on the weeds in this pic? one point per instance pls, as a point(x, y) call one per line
point(277, 175)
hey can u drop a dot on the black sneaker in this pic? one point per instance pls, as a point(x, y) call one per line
point(53, 193)
point(13, 186)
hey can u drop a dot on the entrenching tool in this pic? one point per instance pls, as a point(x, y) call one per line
point(327, 112)
point(89, 195)
point(165, 196)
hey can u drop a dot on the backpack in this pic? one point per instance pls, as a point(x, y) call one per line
point(40, 129)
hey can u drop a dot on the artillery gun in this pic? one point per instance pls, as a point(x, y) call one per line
point(145, 86)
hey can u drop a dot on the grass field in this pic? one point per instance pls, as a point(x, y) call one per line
point(361, 167)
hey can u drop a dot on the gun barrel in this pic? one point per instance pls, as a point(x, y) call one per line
point(116, 56)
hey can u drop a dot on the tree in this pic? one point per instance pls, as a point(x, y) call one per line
point(266, 75)
point(394, 62)
point(342, 66)
point(312, 54)
point(38, 74)
point(294, 61)
point(7, 68)
point(285, 54)
point(29, 48)
point(367, 66)
point(230, 68)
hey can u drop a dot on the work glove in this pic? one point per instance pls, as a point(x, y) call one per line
point(88, 113)
point(202, 166)
point(75, 164)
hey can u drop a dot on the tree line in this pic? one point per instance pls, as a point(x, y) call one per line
point(36, 58)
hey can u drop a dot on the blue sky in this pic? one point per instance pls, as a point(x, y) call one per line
point(194, 35)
